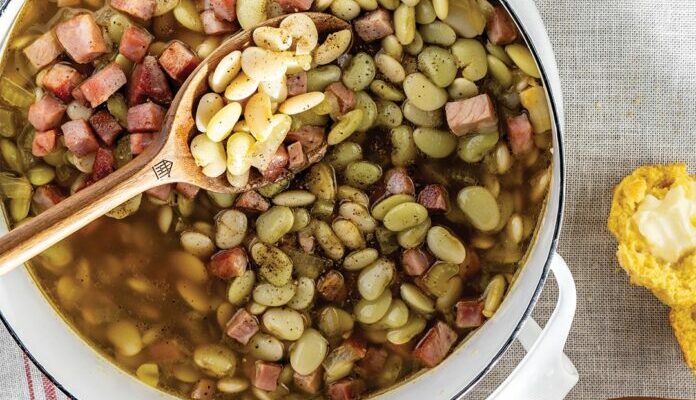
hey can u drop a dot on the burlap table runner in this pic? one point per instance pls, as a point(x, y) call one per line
point(629, 76)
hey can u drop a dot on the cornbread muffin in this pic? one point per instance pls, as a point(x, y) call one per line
point(653, 216)
point(684, 326)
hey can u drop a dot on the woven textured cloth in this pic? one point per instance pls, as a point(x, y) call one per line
point(629, 76)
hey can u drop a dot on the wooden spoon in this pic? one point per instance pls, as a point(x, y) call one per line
point(167, 160)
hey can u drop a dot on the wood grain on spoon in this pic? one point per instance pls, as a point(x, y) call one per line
point(167, 160)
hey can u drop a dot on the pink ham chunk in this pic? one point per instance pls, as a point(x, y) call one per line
point(520, 134)
point(139, 142)
point(398, 181)
point(224, 9)
point(471, 115)
point(105, 82)
point(295, 5)
point(44, 143)
point(251, 201)
point(228, 264)
point(148, 82)
point(346, 389)
point(178, 61)
point(297, 83)
point(105, 126)
point(161, 192)
point(266, 375)
point(500, 27)
point(79, 137)
point(189, 191)
point(146, 117)
point(46, 113)
point(47, 196)
point(81, 38)
point(103, 164)
point(296, 157)
point(242, 326)
point(346, 97)
point(43, 50)
point(213, 25)
point(435, 345)
point(141, 9)
point(277, 165)
point(415, 261)
point(469, 314)
point(308, 383)
point(134, 43)
point(311, 137)
point(61, 79)
point(434, 198)
point(374, 25)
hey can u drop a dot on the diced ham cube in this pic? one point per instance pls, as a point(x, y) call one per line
point(251, 201)
point(189, 191)
point(139, 141)
point(374, 25)
point(306, 241)
point(415, 261)
point(43, 51)
point(79, 137)
point(81, 38)
point(266, 375)
point(46, 113)
point(47, 196)
point(212, 25)
point(79, 96)
point(277, 165)
point(471, 115)
point(148, 82)
point(134, 43)
point(310, 136)
point(178, 60)
point(295, 5)
point(297, 83)
point(242, 326)
point(296, 157)
point(141, 9)
point(227, 264)
point(500, 27)
point(356, 345)
point(224, 9)
point(105, 126)
point(346, 389)
point(435, 345)
point(308, 383)
point(346, 97)
point(434, 198)
point(61, 79)
point(161, 192)
point(520, 134)
point(204, 388)
point(146, 117)
point(469, 314)
point(44, 143)
point(332, 287)
point(105, 82)
point(103, 164)
point(374, 360)
point(398, 181)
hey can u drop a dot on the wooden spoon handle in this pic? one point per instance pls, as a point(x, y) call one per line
point(36, 235)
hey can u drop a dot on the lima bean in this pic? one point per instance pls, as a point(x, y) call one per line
point(423, 93)
point(359, 72)
point(438, 65)
point(435, 143)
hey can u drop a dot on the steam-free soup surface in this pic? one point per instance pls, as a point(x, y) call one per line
point(363, 269)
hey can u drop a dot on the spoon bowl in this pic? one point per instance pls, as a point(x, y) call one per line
point(166, 160)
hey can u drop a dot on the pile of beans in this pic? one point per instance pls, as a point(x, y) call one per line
point(360, 270)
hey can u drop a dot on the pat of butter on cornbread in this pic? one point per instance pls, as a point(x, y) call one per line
point(653, 218)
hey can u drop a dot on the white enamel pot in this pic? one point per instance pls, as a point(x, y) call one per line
point(544, 374)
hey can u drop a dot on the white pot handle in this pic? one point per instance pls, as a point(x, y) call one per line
point(545, 373)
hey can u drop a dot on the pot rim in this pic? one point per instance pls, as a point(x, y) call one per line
point(558, 125)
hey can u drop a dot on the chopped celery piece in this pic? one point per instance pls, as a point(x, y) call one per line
point(7, 123)
point(14, 94)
